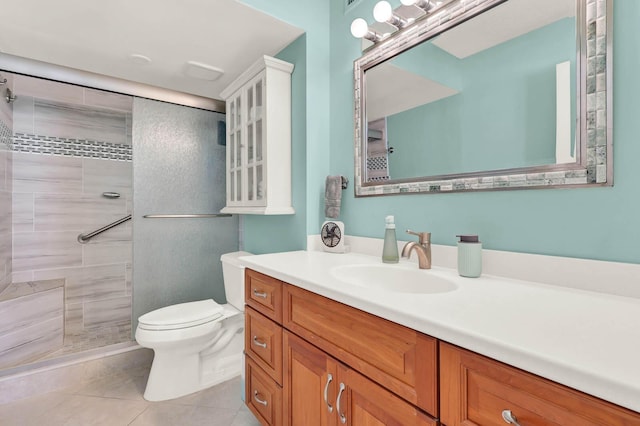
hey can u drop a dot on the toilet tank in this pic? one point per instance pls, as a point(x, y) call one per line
point(233, 275)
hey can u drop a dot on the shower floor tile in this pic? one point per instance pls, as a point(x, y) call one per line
point(117, 400)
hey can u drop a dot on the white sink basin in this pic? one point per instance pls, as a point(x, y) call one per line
point(393, 278)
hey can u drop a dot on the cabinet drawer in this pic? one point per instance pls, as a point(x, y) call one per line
point(264, 294)
point(475, 390)
point(400, 359)
point(263, 343)
point(263, 396)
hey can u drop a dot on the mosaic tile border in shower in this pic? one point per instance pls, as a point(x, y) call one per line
point(596, 153)
point(49, 145)
point(5, 135)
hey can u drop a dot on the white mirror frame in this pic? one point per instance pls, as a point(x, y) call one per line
point(594, 158)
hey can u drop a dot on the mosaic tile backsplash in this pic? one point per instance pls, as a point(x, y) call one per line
point(5, 136)
point(49, 145)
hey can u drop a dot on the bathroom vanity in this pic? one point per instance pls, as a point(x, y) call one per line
point(322, 349)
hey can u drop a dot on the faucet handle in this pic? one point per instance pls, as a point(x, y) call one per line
point(423, 237)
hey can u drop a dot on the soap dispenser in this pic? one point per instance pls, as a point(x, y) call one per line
point(390, 248)
point(469, 256)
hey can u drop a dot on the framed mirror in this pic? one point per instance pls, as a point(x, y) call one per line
point(487, 95)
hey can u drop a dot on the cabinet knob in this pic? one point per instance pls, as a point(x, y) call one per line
point(326, 391)
point(510, 418)
point(343, 418)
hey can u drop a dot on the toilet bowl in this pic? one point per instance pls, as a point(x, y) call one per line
point(196, 344)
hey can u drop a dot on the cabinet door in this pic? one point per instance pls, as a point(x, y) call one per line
point(255, 169)
point(310, 384)
point(234, 150)
point(361, 402)
point(475, 390)
point(400, 359)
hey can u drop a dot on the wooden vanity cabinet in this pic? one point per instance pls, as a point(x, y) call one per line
point(302, 349)
point(476, 390)
point(388, 373)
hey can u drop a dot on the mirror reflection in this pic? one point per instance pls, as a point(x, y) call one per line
point(496, 92)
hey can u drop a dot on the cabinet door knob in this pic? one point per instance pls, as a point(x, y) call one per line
point(259, 343)
point(257, 399)
point(326, 391)
point(343, 418)
point(508, 417)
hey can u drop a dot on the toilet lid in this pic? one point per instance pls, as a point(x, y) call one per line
point(182, 315)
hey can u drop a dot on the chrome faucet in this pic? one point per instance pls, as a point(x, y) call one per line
point(422, 247)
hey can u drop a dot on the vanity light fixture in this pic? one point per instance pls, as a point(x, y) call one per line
point(383, 12)
point(425, 5)
point(360, 29)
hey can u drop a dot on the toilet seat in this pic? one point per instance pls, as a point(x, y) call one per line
point(183, 315)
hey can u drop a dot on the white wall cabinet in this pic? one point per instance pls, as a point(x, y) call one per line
point(259, 139)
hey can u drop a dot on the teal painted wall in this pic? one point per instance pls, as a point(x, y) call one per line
point(269, 234)
point(595, 223)
point(265, 234)
point(494, 121)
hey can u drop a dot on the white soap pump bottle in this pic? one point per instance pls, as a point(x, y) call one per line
point(390, 248)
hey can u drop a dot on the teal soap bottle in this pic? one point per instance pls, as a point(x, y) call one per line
point(390, 248)
point(469, 256)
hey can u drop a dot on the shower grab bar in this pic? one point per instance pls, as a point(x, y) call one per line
point(173, 216)
point(83, 238)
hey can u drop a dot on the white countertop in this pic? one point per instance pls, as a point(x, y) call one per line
point(585, 340)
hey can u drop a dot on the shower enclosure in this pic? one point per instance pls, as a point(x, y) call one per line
point(68, 157)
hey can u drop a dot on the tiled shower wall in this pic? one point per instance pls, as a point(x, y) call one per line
point(6, 124)
point(71, 144)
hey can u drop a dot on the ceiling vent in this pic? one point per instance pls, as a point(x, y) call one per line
point(202, 71)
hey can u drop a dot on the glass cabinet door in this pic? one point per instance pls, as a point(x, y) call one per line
point(234, 170)
point(254, 139)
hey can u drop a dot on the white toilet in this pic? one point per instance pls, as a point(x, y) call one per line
point(197, 344)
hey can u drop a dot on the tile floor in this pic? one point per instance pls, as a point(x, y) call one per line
point(117, 400)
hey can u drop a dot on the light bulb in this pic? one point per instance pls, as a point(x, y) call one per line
point(382, 11)
point(359, 28)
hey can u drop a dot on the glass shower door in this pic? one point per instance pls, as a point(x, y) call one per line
point(179, 168)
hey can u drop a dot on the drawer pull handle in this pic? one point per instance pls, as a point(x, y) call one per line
point(259, 343)
point(343, 418)
point(262, 294)
point(258, 400)
point(326, 391)
point(508, 417)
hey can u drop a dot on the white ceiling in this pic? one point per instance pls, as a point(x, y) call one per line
point(100, 36)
